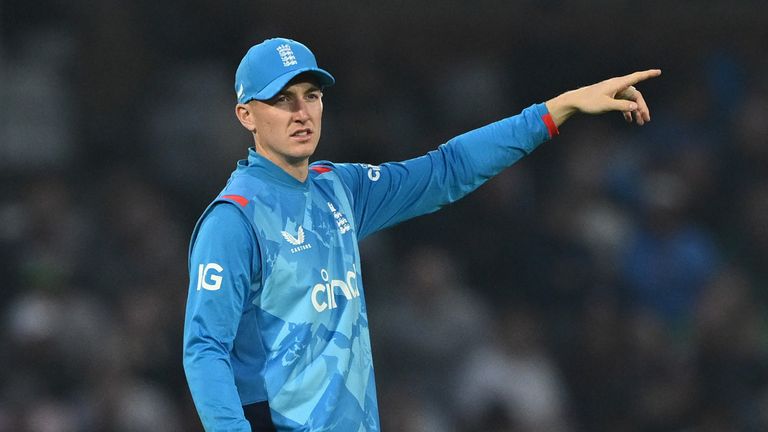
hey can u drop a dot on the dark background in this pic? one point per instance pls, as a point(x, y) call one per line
point(615, 280)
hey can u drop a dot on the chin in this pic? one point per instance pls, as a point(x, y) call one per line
point(302, 155)
point(306, 151)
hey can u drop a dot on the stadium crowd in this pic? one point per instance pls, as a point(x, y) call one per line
point(614, 280)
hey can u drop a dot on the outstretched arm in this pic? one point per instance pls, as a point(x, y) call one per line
point(613, 94)
point(394, 192)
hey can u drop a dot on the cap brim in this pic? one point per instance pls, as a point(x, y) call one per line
point(325, 79)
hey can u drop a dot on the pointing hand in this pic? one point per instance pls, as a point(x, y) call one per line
point(613, 94)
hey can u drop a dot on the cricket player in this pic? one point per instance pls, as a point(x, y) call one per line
point(276, 329)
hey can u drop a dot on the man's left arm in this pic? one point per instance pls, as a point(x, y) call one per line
point(394, 192)
point(397, 191)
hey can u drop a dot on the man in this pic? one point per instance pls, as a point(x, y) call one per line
point(276, 330)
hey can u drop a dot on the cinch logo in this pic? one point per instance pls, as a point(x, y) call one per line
point(296, 241)
point(203, 273)
point(324, 294)
point(286, 55)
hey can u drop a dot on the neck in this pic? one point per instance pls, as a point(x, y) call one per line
point(298, 168)
point(299, 172)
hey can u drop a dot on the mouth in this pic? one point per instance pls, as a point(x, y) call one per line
point(302, 134)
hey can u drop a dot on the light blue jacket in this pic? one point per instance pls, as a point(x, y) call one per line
point(276, 309)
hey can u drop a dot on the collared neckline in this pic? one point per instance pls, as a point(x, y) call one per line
point(258, 165)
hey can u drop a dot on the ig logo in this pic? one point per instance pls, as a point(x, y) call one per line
point(374, 172)
point(203, 273)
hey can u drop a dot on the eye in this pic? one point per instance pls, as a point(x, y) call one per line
point(281, 99)
point(315, 95)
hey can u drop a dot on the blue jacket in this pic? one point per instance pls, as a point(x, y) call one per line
point(276, 308)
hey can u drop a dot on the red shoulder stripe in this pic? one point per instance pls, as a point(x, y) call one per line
point(237, 198)
point(320, 169)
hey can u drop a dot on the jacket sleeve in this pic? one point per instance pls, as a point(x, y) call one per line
point(394, 192)
point(223, 258)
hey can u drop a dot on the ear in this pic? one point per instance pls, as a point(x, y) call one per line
point(245, 115)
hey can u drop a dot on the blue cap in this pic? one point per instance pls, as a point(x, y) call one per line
point(268, 66)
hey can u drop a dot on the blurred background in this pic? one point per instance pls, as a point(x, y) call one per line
point(614, 280)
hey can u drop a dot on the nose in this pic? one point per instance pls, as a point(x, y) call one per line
point(300, 111)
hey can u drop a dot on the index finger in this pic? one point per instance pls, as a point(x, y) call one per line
point(635, 77)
